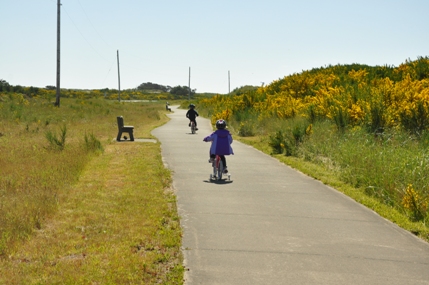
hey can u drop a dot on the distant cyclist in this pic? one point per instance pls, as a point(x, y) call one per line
point(192, 115)
point(221, 143)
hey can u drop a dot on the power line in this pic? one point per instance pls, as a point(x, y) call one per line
point(84, 37)
point(89, 20)
point(108, 73)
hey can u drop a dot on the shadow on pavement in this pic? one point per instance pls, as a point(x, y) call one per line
point(220, 182)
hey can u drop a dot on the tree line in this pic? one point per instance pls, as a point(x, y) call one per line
point(147, 87)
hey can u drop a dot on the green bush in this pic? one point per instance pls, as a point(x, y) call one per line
point(298, 133)
point(341, 119)
point(416, 120)
point(246, 130)
point(92, 143)
point(378, 120)
point(276, 142)
point(57, 142)
point(280, 143)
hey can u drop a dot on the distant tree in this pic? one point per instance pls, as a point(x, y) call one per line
point(182, 91)
point(4, 85)
point(17, 89)
point(33, 90)
point(153, 86)
point(421, 66)
point(50, 87)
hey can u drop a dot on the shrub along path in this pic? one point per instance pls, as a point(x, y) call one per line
point(274, 225)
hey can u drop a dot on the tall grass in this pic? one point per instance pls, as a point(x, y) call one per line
point(46, 149)
point(383, 164)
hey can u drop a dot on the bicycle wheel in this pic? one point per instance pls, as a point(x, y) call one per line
point(213, 175)
point(193, 128)
point(219, 169)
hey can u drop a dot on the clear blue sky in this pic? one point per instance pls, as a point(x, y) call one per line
point(158, 40)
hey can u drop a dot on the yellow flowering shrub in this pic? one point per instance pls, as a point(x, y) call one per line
point(225, 115)
point(401, 94)
point(356, 112)
point(414, 202)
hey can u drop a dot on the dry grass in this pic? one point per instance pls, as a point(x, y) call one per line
point(79, 217)
point(117, 225)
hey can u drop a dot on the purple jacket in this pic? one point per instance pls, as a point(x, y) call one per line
point(221, 142)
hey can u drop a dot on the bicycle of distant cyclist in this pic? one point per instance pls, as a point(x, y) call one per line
point(193, 127)
point(218, 168)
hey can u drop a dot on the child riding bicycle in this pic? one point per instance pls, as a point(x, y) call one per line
point(192, 115)
point(221, 143)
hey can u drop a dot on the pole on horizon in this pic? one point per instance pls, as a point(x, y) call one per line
point(229, 83)
point(189, 85)
point(57, 97)
point(119, 78)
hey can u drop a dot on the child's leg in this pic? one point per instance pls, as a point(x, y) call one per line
point(223, 160)
point(212, 157)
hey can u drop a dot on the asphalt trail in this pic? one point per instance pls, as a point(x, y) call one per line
point(273, 225)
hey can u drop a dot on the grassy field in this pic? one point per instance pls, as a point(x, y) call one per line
point(76, 206)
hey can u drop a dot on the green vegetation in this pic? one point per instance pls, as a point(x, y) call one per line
point(182, 91)
point(145, 91)
point(243, 90)
point(76, 206)
point(363, 130)
point(153, 87)
point(177, 91)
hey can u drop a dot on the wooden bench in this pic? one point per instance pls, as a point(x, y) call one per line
point(124, 129)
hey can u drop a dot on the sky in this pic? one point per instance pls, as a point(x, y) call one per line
point(216, 45)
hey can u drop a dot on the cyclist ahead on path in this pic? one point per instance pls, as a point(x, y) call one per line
point(192, 115)
point(221, 143)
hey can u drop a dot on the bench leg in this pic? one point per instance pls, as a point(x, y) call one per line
point(131, 136)
point(118, 138)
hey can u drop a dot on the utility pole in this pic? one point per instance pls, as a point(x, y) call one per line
point(229, 83)
point(119, 79)
point(57, 100)
point(189, 85)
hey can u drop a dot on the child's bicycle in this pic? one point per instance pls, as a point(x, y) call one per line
point(218, 169)
point(193, 127)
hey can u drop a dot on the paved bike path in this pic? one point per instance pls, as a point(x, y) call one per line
point(273, 225)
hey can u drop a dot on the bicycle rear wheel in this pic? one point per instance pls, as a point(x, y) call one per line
point(193, 128)
point(219, 169)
